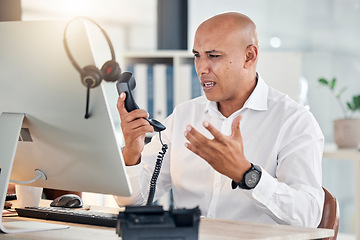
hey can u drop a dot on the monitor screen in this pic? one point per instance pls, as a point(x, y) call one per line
point(38, 80)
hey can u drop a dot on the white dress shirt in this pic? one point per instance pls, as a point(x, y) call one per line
point(279, 135)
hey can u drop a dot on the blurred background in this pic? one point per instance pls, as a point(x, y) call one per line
point(300, 41)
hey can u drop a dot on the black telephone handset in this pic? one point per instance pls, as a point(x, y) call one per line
point(126, 84)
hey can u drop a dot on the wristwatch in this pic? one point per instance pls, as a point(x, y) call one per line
point(250, 179)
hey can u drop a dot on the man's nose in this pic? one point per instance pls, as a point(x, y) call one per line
point(202, 66)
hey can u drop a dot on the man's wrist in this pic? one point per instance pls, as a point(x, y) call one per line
point(250, 178)
point(129, 159)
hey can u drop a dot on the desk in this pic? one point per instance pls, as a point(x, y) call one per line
point(210, 229)
point(331, 151)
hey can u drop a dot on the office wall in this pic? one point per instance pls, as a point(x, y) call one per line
point(288, 79)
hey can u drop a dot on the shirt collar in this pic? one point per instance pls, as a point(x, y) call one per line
point(258, 98)
point(256, 101)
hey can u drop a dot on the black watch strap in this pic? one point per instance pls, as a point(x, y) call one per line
point(250, 179)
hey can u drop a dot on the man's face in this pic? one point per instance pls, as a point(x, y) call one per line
point(219, 60)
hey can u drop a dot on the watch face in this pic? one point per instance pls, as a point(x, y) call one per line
point(252, 178)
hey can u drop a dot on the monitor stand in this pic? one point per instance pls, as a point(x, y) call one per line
point(10, 126)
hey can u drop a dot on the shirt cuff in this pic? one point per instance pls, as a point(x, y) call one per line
point(265, 188)
point(135, 170)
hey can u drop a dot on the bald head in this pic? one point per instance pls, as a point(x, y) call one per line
point(236, 24)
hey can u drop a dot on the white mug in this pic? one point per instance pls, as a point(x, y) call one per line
point(28, 196)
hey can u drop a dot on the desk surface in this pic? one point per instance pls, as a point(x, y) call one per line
point(210, 229)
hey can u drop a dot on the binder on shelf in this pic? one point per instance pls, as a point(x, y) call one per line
point(184, 92)
point(169, 89)
point(160, 91)
point(196, 90)
point(150, 90)
point(163, 90)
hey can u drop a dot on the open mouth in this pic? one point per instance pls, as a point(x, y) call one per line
point(208, 84)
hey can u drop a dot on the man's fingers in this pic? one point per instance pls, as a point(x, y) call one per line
point(131, 124)
point(121, 104)
point(194, 143)
point(216, 133)
point(191, 148)
point(139, 130)
point(192, 135)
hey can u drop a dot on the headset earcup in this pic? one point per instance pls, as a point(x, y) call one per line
point(111, 71)
point(91, 76)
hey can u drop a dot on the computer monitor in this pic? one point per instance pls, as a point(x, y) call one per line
point(38, 81)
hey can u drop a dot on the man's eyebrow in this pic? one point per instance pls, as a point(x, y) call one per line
point(210, 51)
point(213, 51)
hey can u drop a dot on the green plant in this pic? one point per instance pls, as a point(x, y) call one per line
point(353, 105)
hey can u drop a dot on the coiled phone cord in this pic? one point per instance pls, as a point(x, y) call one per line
point(156, 172)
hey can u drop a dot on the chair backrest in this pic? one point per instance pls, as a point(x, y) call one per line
point(330, 216)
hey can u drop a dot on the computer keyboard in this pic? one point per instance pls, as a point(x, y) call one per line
point(70, 215)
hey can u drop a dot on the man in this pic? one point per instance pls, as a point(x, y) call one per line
point(244, 151)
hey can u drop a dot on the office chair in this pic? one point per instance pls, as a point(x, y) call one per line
point(330, 216)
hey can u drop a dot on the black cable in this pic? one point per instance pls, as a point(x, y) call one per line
point(155, 175)
point(87, 102)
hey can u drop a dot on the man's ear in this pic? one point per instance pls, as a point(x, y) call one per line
point(251, 56)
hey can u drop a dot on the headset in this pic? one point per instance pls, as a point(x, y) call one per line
point(90, 75)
